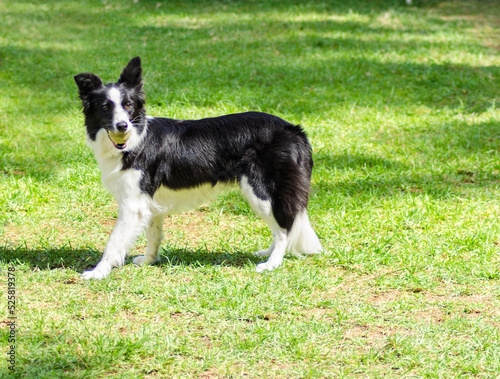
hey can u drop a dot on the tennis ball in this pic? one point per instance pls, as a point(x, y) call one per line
point(119, 138)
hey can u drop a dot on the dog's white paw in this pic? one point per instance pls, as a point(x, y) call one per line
point(142, 260)
point(266, 266)
point(94, 274)
point(139, 261)
point(262, 253)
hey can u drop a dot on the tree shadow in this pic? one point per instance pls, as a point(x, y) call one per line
point(368, 176)
point(250, 70)
point(245, 65)
point(50, 365)
point(52, 77)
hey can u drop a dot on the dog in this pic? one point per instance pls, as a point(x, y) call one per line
point(156, 166)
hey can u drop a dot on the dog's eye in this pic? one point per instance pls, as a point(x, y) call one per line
point(128, 105)
point(106, 107)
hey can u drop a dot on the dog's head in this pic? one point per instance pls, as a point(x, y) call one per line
point(115, 108)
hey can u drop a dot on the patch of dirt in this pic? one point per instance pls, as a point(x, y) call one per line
point(175, 315)
point(372, 333)
point(385, 297)
point(196, 226)
point(431, 314)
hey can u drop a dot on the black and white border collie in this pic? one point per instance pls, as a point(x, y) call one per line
point(155, 166)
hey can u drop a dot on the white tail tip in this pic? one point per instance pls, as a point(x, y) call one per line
point(302, 239)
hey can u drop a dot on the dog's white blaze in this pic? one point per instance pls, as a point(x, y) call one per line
point(115, 95)
point(119, 113)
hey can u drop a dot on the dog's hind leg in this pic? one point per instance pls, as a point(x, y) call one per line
point(154, 234)
point(278, 249)
point(132, 218)
point(263, 209)
point(265, 253)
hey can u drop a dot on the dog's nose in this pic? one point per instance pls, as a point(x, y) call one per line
point(121, 126)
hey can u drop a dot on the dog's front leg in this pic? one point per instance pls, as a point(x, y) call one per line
point(154, 234)
point(131, 222)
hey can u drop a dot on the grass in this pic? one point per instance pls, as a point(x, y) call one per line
point(401, 106)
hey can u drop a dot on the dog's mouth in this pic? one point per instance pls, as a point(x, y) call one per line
point(119, 140)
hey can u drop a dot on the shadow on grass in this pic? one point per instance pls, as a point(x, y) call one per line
point(84, 259)
point(203, 257)
point(369, 182)
point(51, 258)
point(43, 363)
point(328, 60)
point(46, 367)
point(368, 175)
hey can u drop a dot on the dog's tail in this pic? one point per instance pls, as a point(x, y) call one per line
point(301, 238)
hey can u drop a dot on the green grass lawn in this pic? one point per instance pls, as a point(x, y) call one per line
point(401, 104)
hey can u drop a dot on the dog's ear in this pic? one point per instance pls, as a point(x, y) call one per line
point(87, 82)
point(131, 75)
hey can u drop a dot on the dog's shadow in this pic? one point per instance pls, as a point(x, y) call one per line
point(204, 257)
point(84, 259)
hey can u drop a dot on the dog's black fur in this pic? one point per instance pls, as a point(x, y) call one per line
point(273, 154)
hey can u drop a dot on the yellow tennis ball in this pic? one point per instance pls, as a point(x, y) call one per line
point(119, 138)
